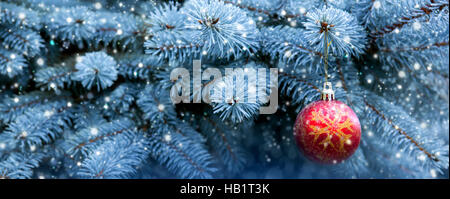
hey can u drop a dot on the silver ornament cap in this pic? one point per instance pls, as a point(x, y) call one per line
point(327, 92)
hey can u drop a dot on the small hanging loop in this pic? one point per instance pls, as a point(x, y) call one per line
point(327, 92)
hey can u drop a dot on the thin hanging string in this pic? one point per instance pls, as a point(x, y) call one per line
point(327, 92)
point(325, 61)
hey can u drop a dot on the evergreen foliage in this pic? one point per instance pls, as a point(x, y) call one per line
point(87, 86)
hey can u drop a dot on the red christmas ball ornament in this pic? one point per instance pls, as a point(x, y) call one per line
point(327, 131)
